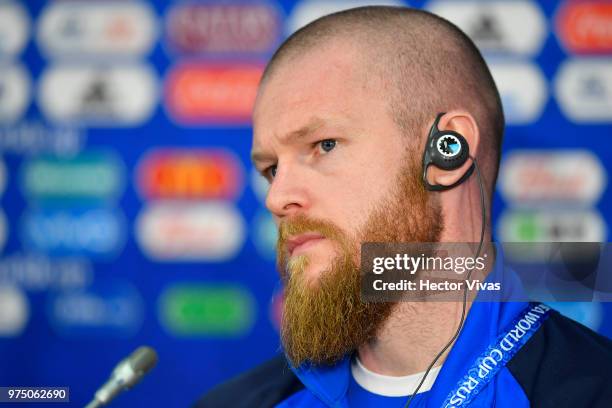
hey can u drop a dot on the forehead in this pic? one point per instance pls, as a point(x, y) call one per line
point(331, 83)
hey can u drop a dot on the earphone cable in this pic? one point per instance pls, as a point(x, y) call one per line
point(465, 291)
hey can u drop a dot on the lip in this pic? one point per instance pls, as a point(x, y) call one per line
point(302, 241)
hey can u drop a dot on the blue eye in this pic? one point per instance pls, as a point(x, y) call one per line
point(270, 172)
point(328, 144)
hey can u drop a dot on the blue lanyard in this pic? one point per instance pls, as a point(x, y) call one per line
point(496, 356)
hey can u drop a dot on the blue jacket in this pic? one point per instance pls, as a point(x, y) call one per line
point(326, 387)
point(562, 364)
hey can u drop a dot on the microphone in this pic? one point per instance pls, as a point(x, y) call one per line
point(126, 374)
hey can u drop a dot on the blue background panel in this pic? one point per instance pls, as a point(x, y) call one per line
point(130, 213)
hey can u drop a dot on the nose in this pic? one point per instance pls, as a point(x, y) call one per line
point(288, 193)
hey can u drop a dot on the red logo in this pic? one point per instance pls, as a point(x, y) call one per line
point(190, 174)
point(171, 230)
point(552, 177)
point(223, 28)
point(586, 27)
point(212, 94)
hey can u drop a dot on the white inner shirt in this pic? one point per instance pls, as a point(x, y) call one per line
point(390, 386)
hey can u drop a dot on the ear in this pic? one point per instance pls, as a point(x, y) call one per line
point(463, 123)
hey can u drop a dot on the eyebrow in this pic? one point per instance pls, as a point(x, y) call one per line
point(313, 125)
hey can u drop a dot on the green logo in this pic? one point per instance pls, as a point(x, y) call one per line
point(207, 310)
point(91, 176)
point(527, 228)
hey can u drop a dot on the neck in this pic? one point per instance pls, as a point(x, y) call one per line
point(412, 337)
point(416, 332)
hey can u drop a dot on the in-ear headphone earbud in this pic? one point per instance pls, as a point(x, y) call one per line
point(447, 150)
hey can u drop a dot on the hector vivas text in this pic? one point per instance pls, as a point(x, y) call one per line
point(435, 267)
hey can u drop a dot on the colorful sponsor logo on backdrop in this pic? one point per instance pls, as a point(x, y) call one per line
point(190, 174)
point(107, 309)
point(98, 95)
point(97, 29)
point(584, 89)
point(183, 231)
point(216, 28)
point(552, 177)
point(211, 310)
point(199, 93)
point(306, 11)
point(551, 226)
point(585, 27)
point(14, 29)
point(15, 92)
point(96, 232)
point(14, 311)
point(523, 90)
point(89, 176)
point(493, 25)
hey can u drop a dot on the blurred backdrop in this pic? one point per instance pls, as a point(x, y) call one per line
point(130, 213)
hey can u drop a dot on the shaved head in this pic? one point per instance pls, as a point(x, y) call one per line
point(419, 62)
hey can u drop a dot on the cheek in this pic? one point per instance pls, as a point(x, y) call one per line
point(352, 199)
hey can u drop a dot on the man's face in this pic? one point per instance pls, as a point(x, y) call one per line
point(336, 149)
point(340, 175)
